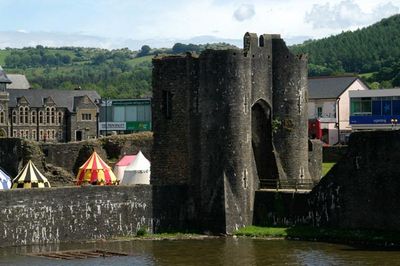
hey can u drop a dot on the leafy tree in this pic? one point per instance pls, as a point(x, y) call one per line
point(145, 50)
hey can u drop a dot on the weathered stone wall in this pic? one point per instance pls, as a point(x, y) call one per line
point(290, 99)
point(315, 159)
point(15, 153)
point(273, 208)
point(39, 216)
point(170, 110)
point(70, 156)
point(60, 162)
point(361, 190)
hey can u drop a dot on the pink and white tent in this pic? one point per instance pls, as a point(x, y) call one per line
point(121, 165)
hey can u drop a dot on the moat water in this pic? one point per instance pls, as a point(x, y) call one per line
point(221, 251)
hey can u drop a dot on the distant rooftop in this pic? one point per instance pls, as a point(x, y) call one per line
point(328, 87)
point(375, 93)
point(19, 81)
point(62, 98)
point(3, 77)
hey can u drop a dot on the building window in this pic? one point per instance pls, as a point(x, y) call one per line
point(53, 115)
point(2, 117)
point(14, 117)
point(167, 104)
point(21, 114)
point(33, 117)
point(59, 118)
point(41, 117)
point(60, 135)
point(86, 117)
point(34, 134)
point(41, 135)
point(319, 111)
point(363, 106)
point(26, 115)
point(47, 115)
point(14, 133)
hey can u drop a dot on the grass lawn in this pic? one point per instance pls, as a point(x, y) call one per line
point(138, 60)
point(326, 167)
point(323, 234)
point(366, 75)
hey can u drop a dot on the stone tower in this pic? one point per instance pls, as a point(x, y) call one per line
point(226, 121)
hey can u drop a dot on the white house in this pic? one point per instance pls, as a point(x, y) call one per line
point(329, 104)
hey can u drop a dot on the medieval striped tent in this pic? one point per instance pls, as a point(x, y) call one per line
point(96, 172)
point(30, 177)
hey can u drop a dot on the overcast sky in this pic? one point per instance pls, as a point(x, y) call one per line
point(121, 23)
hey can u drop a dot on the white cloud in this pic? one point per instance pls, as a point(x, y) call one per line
point(244, 12)
point(345, 14)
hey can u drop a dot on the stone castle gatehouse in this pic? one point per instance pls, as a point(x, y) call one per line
point(228, 120)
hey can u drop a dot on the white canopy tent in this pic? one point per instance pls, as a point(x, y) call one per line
point(138, 172)
point(5, 180)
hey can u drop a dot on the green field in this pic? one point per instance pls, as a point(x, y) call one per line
point(139, 60)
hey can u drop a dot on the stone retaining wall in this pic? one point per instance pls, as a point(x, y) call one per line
point(51, 215)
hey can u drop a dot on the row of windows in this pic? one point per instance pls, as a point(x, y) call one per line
point(125, 113)
point(86, 117)
point(49, 116)
point(375, 106)
point(53, 119)
point(49, 134)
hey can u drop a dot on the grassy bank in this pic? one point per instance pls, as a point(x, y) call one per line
point(323, 234)
point(144, 235)
point(326, 167)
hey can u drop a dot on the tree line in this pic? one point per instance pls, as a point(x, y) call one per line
point(374, 49)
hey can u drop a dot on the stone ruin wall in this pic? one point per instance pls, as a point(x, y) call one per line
point(60, 161)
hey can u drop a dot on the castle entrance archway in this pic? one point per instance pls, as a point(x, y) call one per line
point(261, 125)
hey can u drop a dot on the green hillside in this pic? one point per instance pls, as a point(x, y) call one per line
point(374, 49)
point(372, 52)
point(120, 73)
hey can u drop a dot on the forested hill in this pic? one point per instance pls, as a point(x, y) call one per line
point(120, 73)
point(374, 50)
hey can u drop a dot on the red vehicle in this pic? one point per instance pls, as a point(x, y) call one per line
point(314, 129)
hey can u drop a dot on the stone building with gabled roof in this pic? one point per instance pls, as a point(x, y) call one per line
point(47, 115)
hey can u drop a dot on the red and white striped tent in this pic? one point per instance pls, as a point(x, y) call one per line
point(95, 172)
